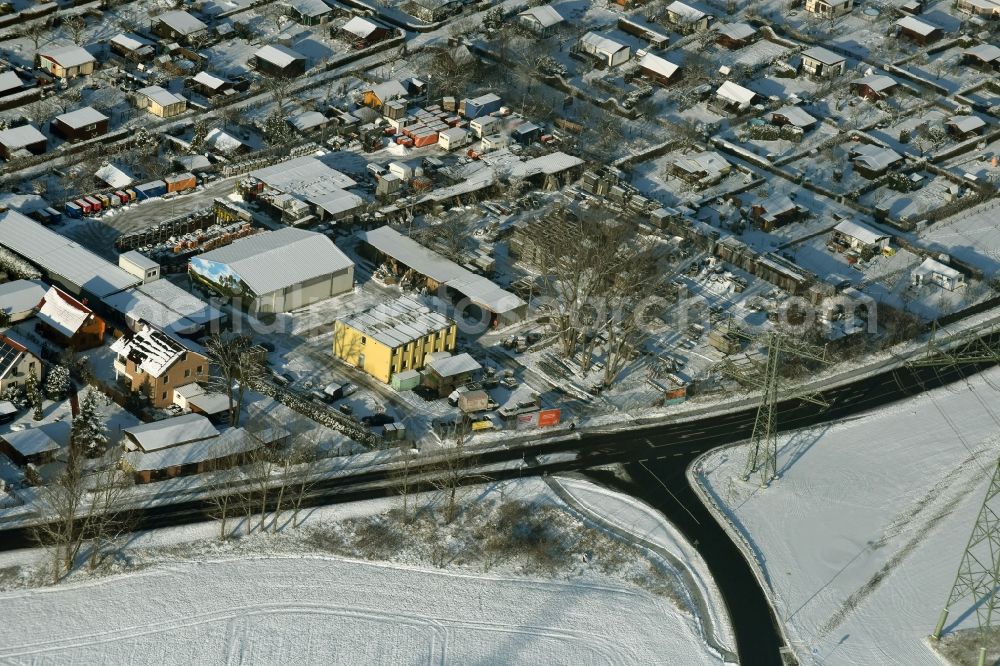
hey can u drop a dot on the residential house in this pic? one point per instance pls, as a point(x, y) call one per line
point(160, 102)
point(918, 31)
point(850, 235)
point(68, 322)
point(734, 97)
point(16, 364)
point(19, 300)
point(965, 127)
point(156, 363)
point(66, 62)
point(933, 271)
point(873, 161)
point(363, 32)
point(392, 337)
point(775, 211)
point(382, 93)
point(35, 445)
point(735, 36)
point(309, 12)
point(989, 9)
point(985, 56)
point(22, 141)
point(278, 60)
point(80, 125)
point(658, 69)
point(794, 116)
point(605, 51)
point(179, 26)
point(686, 19)
point(433, 11)
point(874, 87)
point(822, 63)
point(542, 20)
point(829, 8)
point(702, 169)
point(132, 48)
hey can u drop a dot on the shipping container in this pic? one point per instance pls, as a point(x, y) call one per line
point(481, 106)
point(85, 206)
point(180, 182)
point(94, 202)
point(72, 209)
point(123, 198)
point(54, 215)
point(155, 188)
point(104, 199)
point(427, 139)
point(131, 194)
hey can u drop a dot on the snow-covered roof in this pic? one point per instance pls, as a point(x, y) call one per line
point(21, 296)
point(875, 158)
point(737, 31)
point(685, 11)
point(222, 141)
point(934, 266)
point(171, 432)
point(388, 90)
point(88, 115)
point(152, 350)
point(360, 27)
point(449, 366)
point(708, 161)
point(600, 44)
point(795, 116)
point(877, 82)
point(735, 93)
point(966, 123)
point(550, 164)
point(822, 55)
point(20, 137)
point(164, 305)
point(209, 81)
point(161, 96)
point(59, 255)
point(139, 260)
point(114, 176)
point(775, 205)
point(62, 312)
point(279, 55)
point(129, 41)
point(306, 176)
point(658, 65)
point(182, 22)
point(308, 120)
point(859, 231)
point(30, 441)
point(444, 271)
point(545, 15)
point(337, 202)
point(275, 260)
point(398, 322)
point(230, 443)
point(984, 52)
point(10, 81)
point(913, 24)
point(67, 56)
point(310, 8)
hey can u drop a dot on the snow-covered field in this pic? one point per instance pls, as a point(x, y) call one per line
point(861, 537)
point(267, 599)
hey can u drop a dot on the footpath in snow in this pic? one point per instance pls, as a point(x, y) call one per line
point(860, 538)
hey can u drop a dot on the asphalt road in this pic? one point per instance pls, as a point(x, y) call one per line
point(656, 458)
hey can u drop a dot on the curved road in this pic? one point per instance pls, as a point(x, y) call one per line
point(657, 458)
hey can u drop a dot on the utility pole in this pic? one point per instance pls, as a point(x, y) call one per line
point(762, 453)
point(979, 572)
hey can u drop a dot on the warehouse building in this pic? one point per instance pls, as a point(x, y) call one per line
point(392, 337)
point(74, 268)
point(277, 271)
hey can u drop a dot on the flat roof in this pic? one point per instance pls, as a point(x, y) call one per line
point(397, 323)
point(824, 56)
point(182, 22)
point(282, 56)
point(231, 442)
point(30, 441)
point(88, 115)
point(306, 175)
point(21, 295)
point(21, 137)
point(60, 256)
point(67, 56)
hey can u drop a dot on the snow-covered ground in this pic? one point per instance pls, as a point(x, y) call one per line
point(205, 602)
point(860, 539)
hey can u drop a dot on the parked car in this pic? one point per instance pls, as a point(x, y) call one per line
point(346, 409)
point(348, 389)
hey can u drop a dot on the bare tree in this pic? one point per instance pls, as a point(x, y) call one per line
point(75, 24)
point(222, 476)
point(108, 516)
point(403, 476)
point(60, 527)
point(35, 31)
point(238, 366)
point(451, 472)
point(299, 477)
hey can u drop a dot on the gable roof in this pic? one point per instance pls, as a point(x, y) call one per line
point(546, 15)
point(275, 260)
point(182, 22)
point(310, 8)
point(737, 31)
point(735, 93)
point(913, 24)
point(67, 56)
point(114, 176)
point(62, 312)
point(862, 232)
point(161, 96)
point(88, 115)
point(361, 27)
point(824, 56)
point(388, 90)
point(171, 432)
point(875, 158)
point(152, 350)
point(685, 11)
point(30, 441)
point(130, 41)
point(658, 65)
point(279, 55)
point(11, 353)
point(601, 44)
point(984, 52)
point(209, 80)
point(877, 82)
point(795, 116)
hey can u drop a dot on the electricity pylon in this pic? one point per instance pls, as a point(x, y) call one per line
point(762, 452)
point(967, 347)
point(979, 572)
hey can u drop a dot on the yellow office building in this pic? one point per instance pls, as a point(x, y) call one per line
point(392, 337)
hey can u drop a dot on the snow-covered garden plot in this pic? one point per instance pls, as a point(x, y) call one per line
point(860, 538)
point(323, 594)
point(972, 236)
